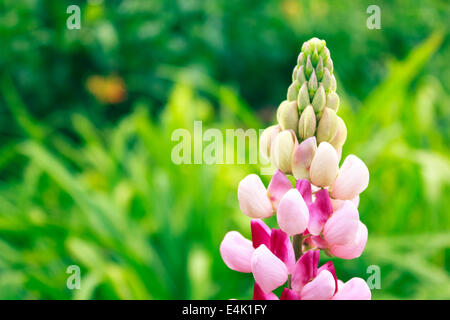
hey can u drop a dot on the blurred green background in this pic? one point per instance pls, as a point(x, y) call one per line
point(86, 118)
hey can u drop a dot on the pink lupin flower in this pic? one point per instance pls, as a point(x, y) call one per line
point(292, 214)
point(310, 282)
point(277, 188)
point(353, 178)
point(253, 199)
point(268, 270)
point(237, 252)
point(353, 289)
point(340, 231)
point(269, 256)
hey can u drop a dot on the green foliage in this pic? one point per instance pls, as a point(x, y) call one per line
point(92, 184)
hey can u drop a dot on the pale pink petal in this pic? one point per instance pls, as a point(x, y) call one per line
point(304, 187)
point(253, 199)
point(236, 252)
point(354, 249)
point(319, 212)
point(281, 246)
point(324, 166)
point(337, 204)
point(353, 289)
point(321, 288)
point(305, 269)
point(269, 271)
point(302, 157)
point(258, 294)
point(292, 214)
point(260, 233)
point(330, 267)
point(353, 178)
point(278, 186)
point(289, 294)
point(340, 231)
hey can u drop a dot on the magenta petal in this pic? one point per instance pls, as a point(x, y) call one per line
point(278, 186)
point(281, 246)
point(319, 212)
point(258, 294)
point(305, 269)
point(260, 233)
point(304, 187)
point(330, 267)
point(289, 294)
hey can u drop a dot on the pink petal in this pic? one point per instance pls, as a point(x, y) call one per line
point(304, 187)
point(236, 252)
point(278, 186)
point(289, 294)
point(305, 269)
point(253, 199)
point(268, 270)
point(337, 204)
point(292, 214)
point(353, 178)
point(281, 246)
point(319, 212)
point(353, 289)
point(321, 288)
point(354, 249)
point(340, 231)
point(330, 267)
point(302, 157)
point(260, 233)
point(258, 294)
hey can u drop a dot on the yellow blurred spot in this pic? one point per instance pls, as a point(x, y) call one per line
point(291, 8)
point(109, 89)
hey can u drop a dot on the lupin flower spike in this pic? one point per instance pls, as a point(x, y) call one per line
point(321, 212)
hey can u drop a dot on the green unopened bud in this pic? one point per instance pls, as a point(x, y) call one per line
point(333, 83)
point(315, 57)
point(329, 64)
point(319, 99)
point(319, 69)
point(326, 80)
point(301, 59)
point(328, 126)
point(301, 79)
point(303, 97)
point(341, 135)
point(283, 147)
point(289, 116)
point(293, 91)
point(308, 67)
point(294, 73)
point(312, 84)
point(266, 140)
point(332, 101)
point(307, 123)
point(280, 108)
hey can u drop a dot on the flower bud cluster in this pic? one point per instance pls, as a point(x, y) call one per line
point(310, 108)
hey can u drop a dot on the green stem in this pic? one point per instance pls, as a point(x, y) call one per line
point(297, 243)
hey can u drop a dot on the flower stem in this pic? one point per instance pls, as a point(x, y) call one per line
point(297, 243)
